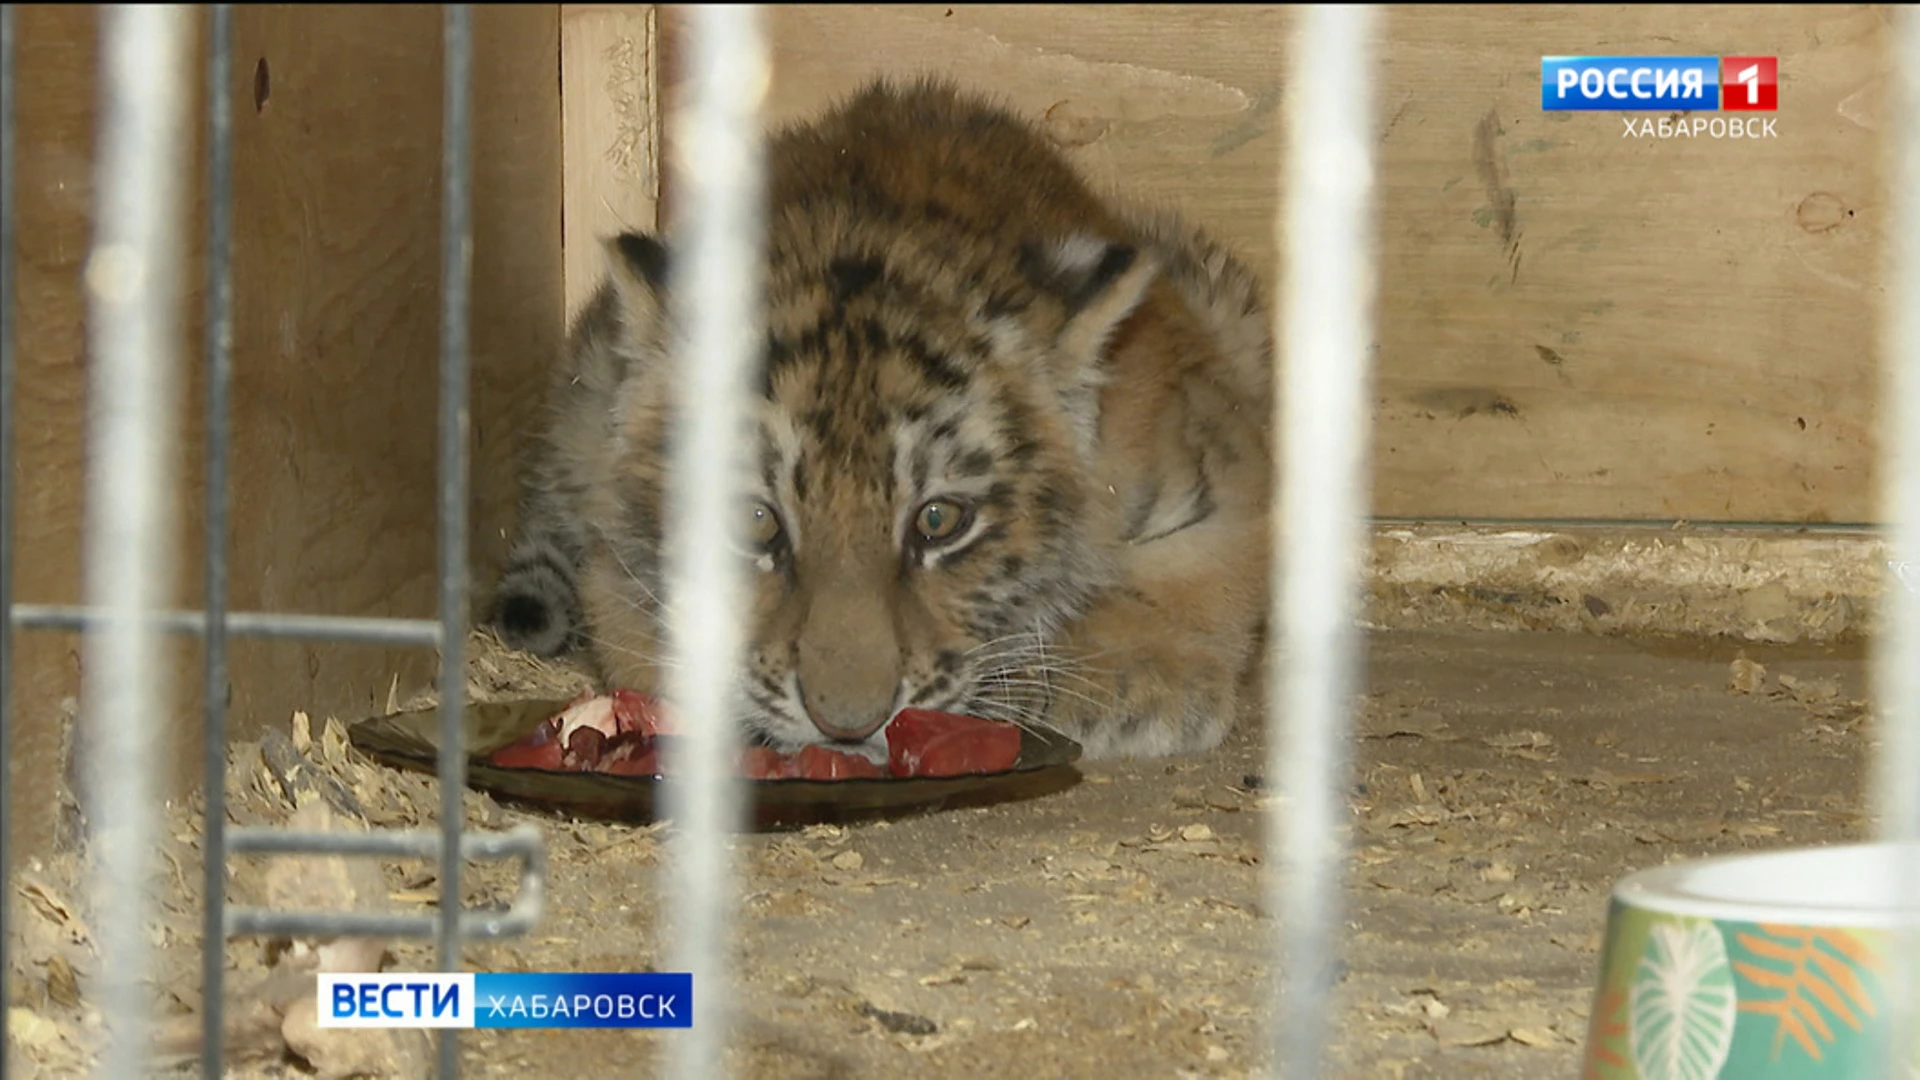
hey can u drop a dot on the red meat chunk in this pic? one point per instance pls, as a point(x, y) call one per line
point(921, 742)
point(821, 763)
point(618, 733)
point(539, 749)
point(766, 763)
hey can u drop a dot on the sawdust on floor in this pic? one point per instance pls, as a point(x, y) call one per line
point(1501, 783)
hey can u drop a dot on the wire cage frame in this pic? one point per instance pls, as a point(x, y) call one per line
point(1323, 330)
point(144, 72)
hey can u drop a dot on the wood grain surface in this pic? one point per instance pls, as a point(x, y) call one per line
point(1572, 324)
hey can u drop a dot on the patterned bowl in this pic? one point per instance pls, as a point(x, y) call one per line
point(1773, 966)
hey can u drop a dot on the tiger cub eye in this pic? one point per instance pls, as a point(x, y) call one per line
point(941, 520)
point(763, 527)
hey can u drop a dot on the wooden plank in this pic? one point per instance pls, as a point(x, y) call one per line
point(610, 132)
point(336, 215)
point(1658, 328)
point(1161, 101)
point(1572, 324)
point(337, 222)
point(519, 296)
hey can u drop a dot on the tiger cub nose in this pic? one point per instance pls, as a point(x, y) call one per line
point(847, 717)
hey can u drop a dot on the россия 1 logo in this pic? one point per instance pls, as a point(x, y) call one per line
point(1671, 85)
point(1749, 83)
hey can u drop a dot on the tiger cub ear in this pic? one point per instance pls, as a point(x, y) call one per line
point(1100, 283)
point(638, 267)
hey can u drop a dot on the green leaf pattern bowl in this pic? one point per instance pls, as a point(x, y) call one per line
point(1775, 966)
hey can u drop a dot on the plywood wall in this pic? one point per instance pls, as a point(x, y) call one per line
point(1572, 324)
point(336, 292)
point(610, 126)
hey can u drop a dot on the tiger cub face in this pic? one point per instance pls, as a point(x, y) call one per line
point(918, 523)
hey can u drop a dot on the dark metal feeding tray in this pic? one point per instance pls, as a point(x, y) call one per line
point(411, 741)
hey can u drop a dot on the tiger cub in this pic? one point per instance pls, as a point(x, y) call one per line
point(1013, 451)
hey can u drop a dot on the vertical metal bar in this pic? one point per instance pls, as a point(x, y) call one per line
point(133, 284)
point(1321, 434)
point(456, 264)
point(219, 346)
point(1896, 657)
point(718, 172)
point(6, 492)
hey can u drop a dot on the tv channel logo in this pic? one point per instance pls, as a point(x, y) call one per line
point(1660, 83)
point(503, 1000)
point(1749, 83)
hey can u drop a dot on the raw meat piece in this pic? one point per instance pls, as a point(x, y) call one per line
point(921, 742)
point(539, 749)
point(766, 763)
point(821, 763)
point(618, 733)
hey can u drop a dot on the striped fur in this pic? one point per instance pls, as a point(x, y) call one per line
point(956, 322)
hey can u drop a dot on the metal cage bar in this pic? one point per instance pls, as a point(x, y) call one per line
point(719, 174)
point(219, 350)
point(6, 498)
point(1896, 655)
point(134, 304)
point(287, 627)
point(522, 842)
point(456, 268)
point(1324, 334)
